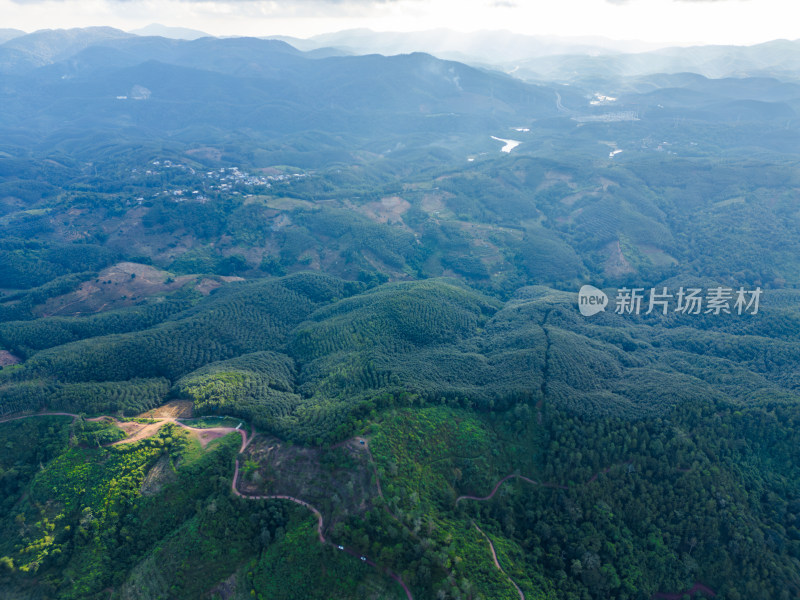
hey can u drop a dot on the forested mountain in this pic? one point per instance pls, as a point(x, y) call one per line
point(360, 274)
point(297, 354)
point(114, 80)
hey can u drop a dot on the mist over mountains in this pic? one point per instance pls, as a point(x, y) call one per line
point(68, 80)
point(87, 77)
point(528, 57)
point(554, 58)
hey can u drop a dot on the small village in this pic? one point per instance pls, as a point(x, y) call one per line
point(200, 183)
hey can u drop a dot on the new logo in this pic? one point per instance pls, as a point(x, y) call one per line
point(591, 300)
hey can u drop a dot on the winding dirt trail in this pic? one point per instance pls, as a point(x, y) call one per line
point(491, 546)
point(42, 414)
point(497, 563)
point(320, 521)
point(697, 588)
point(502, 481)
point(151, 429)
point(365, 443)
point(532, 482)
point(318, 514)
point(547, 484)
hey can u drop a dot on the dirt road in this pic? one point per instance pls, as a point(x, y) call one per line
point(497, 563)
point(320, 525)
point(42, 414)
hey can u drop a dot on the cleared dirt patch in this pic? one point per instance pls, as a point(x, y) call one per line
point(138, 431)
point(207, 285)
point(388, 210)
point(616, 264)
point(433, 203)
point(553, 177)
point(225, 589)
point(338, 481)
point(206, 152)
point(123, 284)
point(174, 409)
point(8, 359)
point(204, 436)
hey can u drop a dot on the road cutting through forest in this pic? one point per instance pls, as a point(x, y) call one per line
point(320, 526)
point(497, 563)
point(695, 589)
point(150, 429)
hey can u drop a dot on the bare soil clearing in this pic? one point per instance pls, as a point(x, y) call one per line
point(271, 466)
point(174, 409)
point(117, 286)
point(7, 359)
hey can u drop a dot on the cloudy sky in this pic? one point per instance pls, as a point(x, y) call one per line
point(674, 21)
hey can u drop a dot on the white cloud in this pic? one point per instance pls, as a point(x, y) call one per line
point(677, 21)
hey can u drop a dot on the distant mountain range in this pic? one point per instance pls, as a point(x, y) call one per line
point(489, 47)
point(47, 46)
point(568, 59)
point(100, 79)
point(177, 33)
point(9, 34)
point(779, 58)
point(104, 78)
point(534, 58)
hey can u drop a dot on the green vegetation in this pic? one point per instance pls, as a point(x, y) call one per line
point(26, 338)
point(289, 569)
point(336, 247)
point(27, 444)
point(455, 390)
point(83, 526)
point(20, 305)
point(26, 264)
point(132, 396)
point(311, 357)
point(207, 422)
point(652, 508)
point(256, 386)
point(97, 433)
